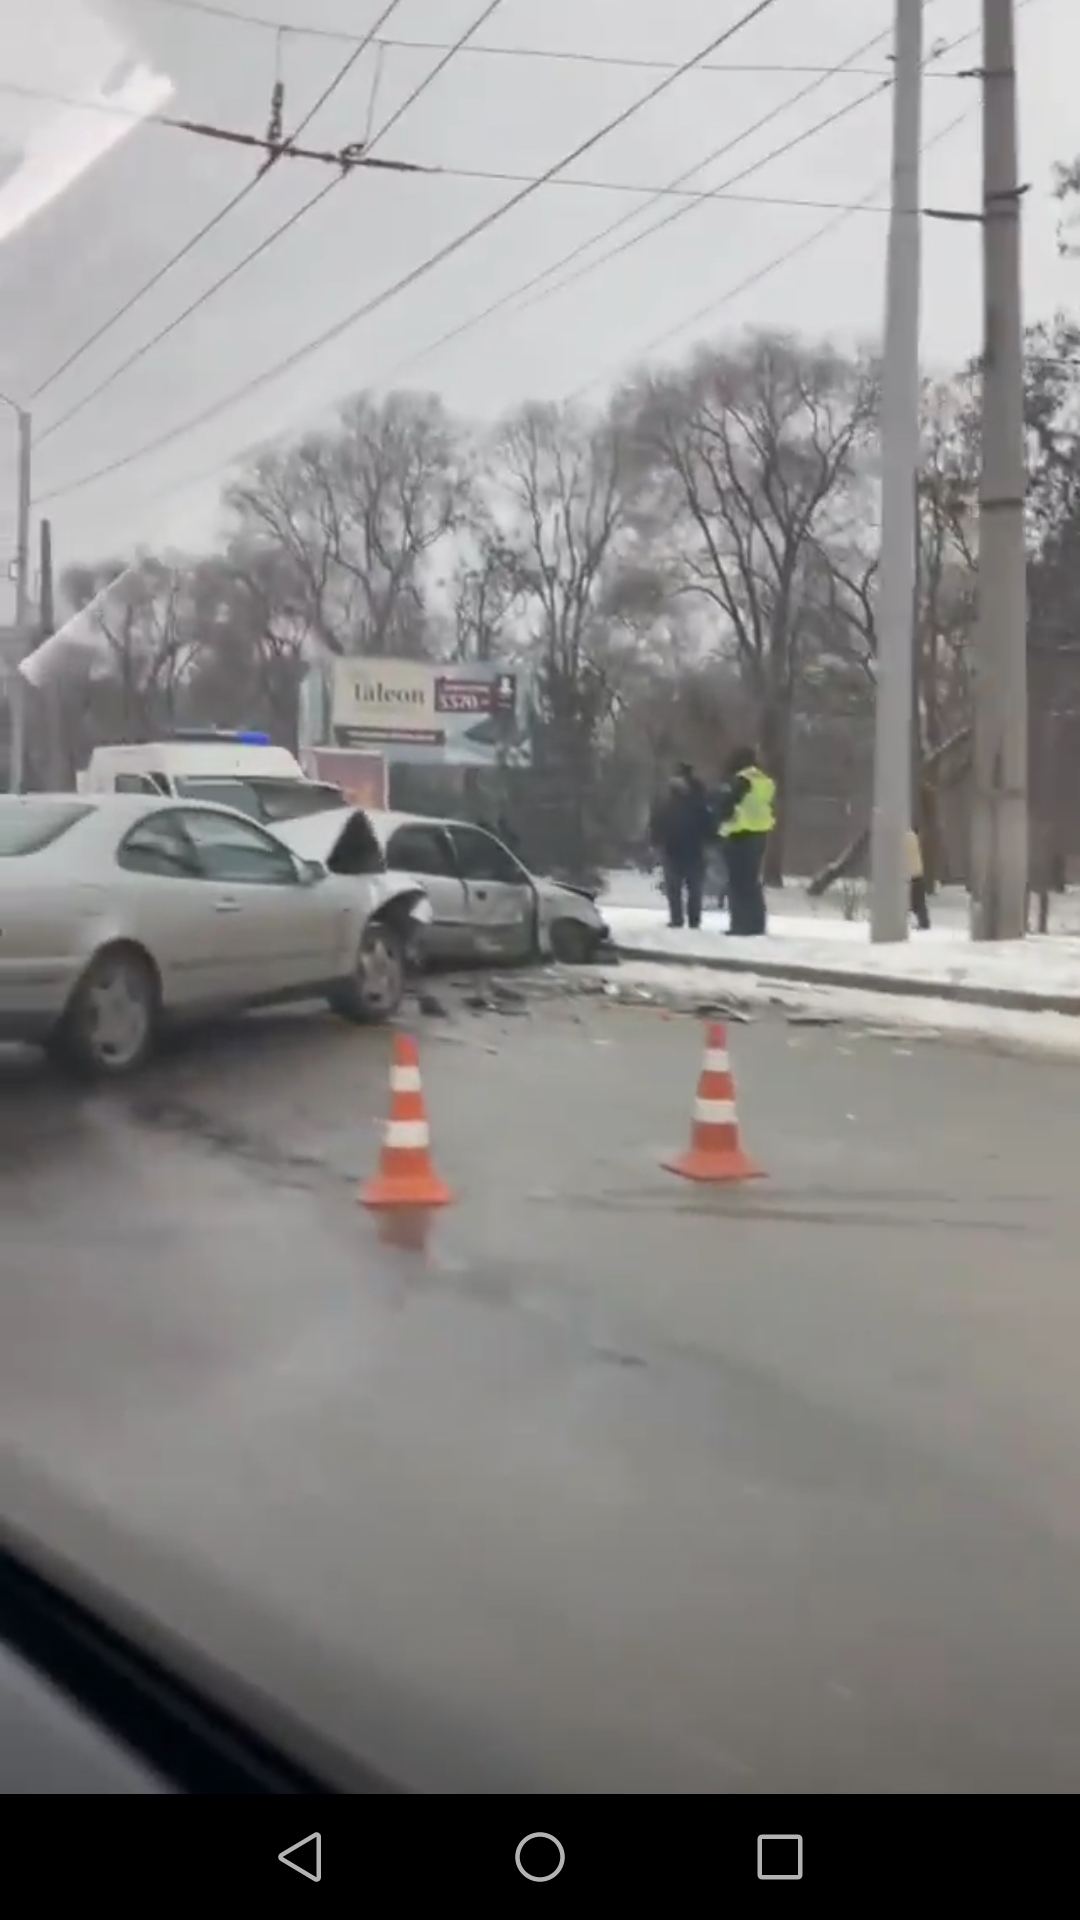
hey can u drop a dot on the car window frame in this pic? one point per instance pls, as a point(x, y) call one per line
point(241, 821)
point(441, 836)
point(164, 814)
point(518, 878)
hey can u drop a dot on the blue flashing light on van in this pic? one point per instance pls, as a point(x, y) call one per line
point(235, 736)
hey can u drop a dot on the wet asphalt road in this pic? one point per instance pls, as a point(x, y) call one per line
point(632, 1487)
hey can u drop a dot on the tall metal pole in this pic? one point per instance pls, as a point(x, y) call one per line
point(892, 816)
point(999, 835)
point(17, 688)
point(56, 759)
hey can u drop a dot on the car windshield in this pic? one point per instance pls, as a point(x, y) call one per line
point(27, 826)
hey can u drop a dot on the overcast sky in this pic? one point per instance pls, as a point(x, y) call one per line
point(66, 269)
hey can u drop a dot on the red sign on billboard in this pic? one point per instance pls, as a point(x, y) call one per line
point(461, 695)
point(361, 776)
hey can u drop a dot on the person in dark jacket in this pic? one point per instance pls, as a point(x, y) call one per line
point(680, 830)
point(746, 815)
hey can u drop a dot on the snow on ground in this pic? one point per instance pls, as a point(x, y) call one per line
point(814, 937)
point(692, 988)
point(626, 887)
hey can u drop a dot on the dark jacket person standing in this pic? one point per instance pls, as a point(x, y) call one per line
point(679, 829)
point(746, 816)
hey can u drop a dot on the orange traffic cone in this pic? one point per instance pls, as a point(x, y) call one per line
point(715, 1151)
point(406, 1186)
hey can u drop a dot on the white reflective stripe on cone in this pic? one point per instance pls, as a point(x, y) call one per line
point(408, 1133)
point(716, 1061)
point(405, 1080)
point(715, 1113)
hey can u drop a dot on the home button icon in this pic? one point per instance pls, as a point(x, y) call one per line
point(540, 1857)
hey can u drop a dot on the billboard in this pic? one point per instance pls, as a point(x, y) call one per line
point(431, 713)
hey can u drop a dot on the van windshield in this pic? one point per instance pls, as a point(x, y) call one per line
point(295, 799)
point(224, 793)
point(262, 799)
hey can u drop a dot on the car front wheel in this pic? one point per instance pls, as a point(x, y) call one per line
point(375, 991)
point(108, 1028)
point(572, 944)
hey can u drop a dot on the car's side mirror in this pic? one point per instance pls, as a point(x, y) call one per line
point(311, 872)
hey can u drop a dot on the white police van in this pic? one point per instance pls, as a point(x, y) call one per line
point(238, 769)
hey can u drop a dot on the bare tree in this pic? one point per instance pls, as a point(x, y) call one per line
point(748, 449)
point(946, 528)
point(1067, 190)
point(359, 511)
point(564, 481)
point(484, 592)
point(255, 639)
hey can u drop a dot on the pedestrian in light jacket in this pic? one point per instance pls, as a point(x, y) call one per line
point(917, 880)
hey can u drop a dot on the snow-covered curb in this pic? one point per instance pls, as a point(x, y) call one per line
point(900, 986)
point(699, 989)
point(1041, 974)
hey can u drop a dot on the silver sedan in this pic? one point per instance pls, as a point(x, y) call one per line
point(485, 904)
point(121, 912)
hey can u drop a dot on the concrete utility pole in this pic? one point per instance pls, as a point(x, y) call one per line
point(892, 816)
point(56, 758)
point(16, 686)
point(999, 835)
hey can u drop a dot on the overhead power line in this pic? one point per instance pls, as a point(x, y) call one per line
point(348, 158)
point(843, 213)
point(701, 313)
point(216, 219)
point(559, 55)
point(794, 252)
point(616, 226)
point(271, 239)
point(712, 306)
point(407, 280)
point(800, 247)
point(541, 285)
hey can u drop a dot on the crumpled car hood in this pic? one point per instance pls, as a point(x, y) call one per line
point(318, 836)
point(314, 836)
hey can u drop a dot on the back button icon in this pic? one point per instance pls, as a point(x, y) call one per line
point(305, 1856)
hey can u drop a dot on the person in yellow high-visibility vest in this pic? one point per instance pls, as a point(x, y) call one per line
point(746, 817)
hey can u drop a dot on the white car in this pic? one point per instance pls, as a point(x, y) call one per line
point(119, 913)
point(485, 904)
